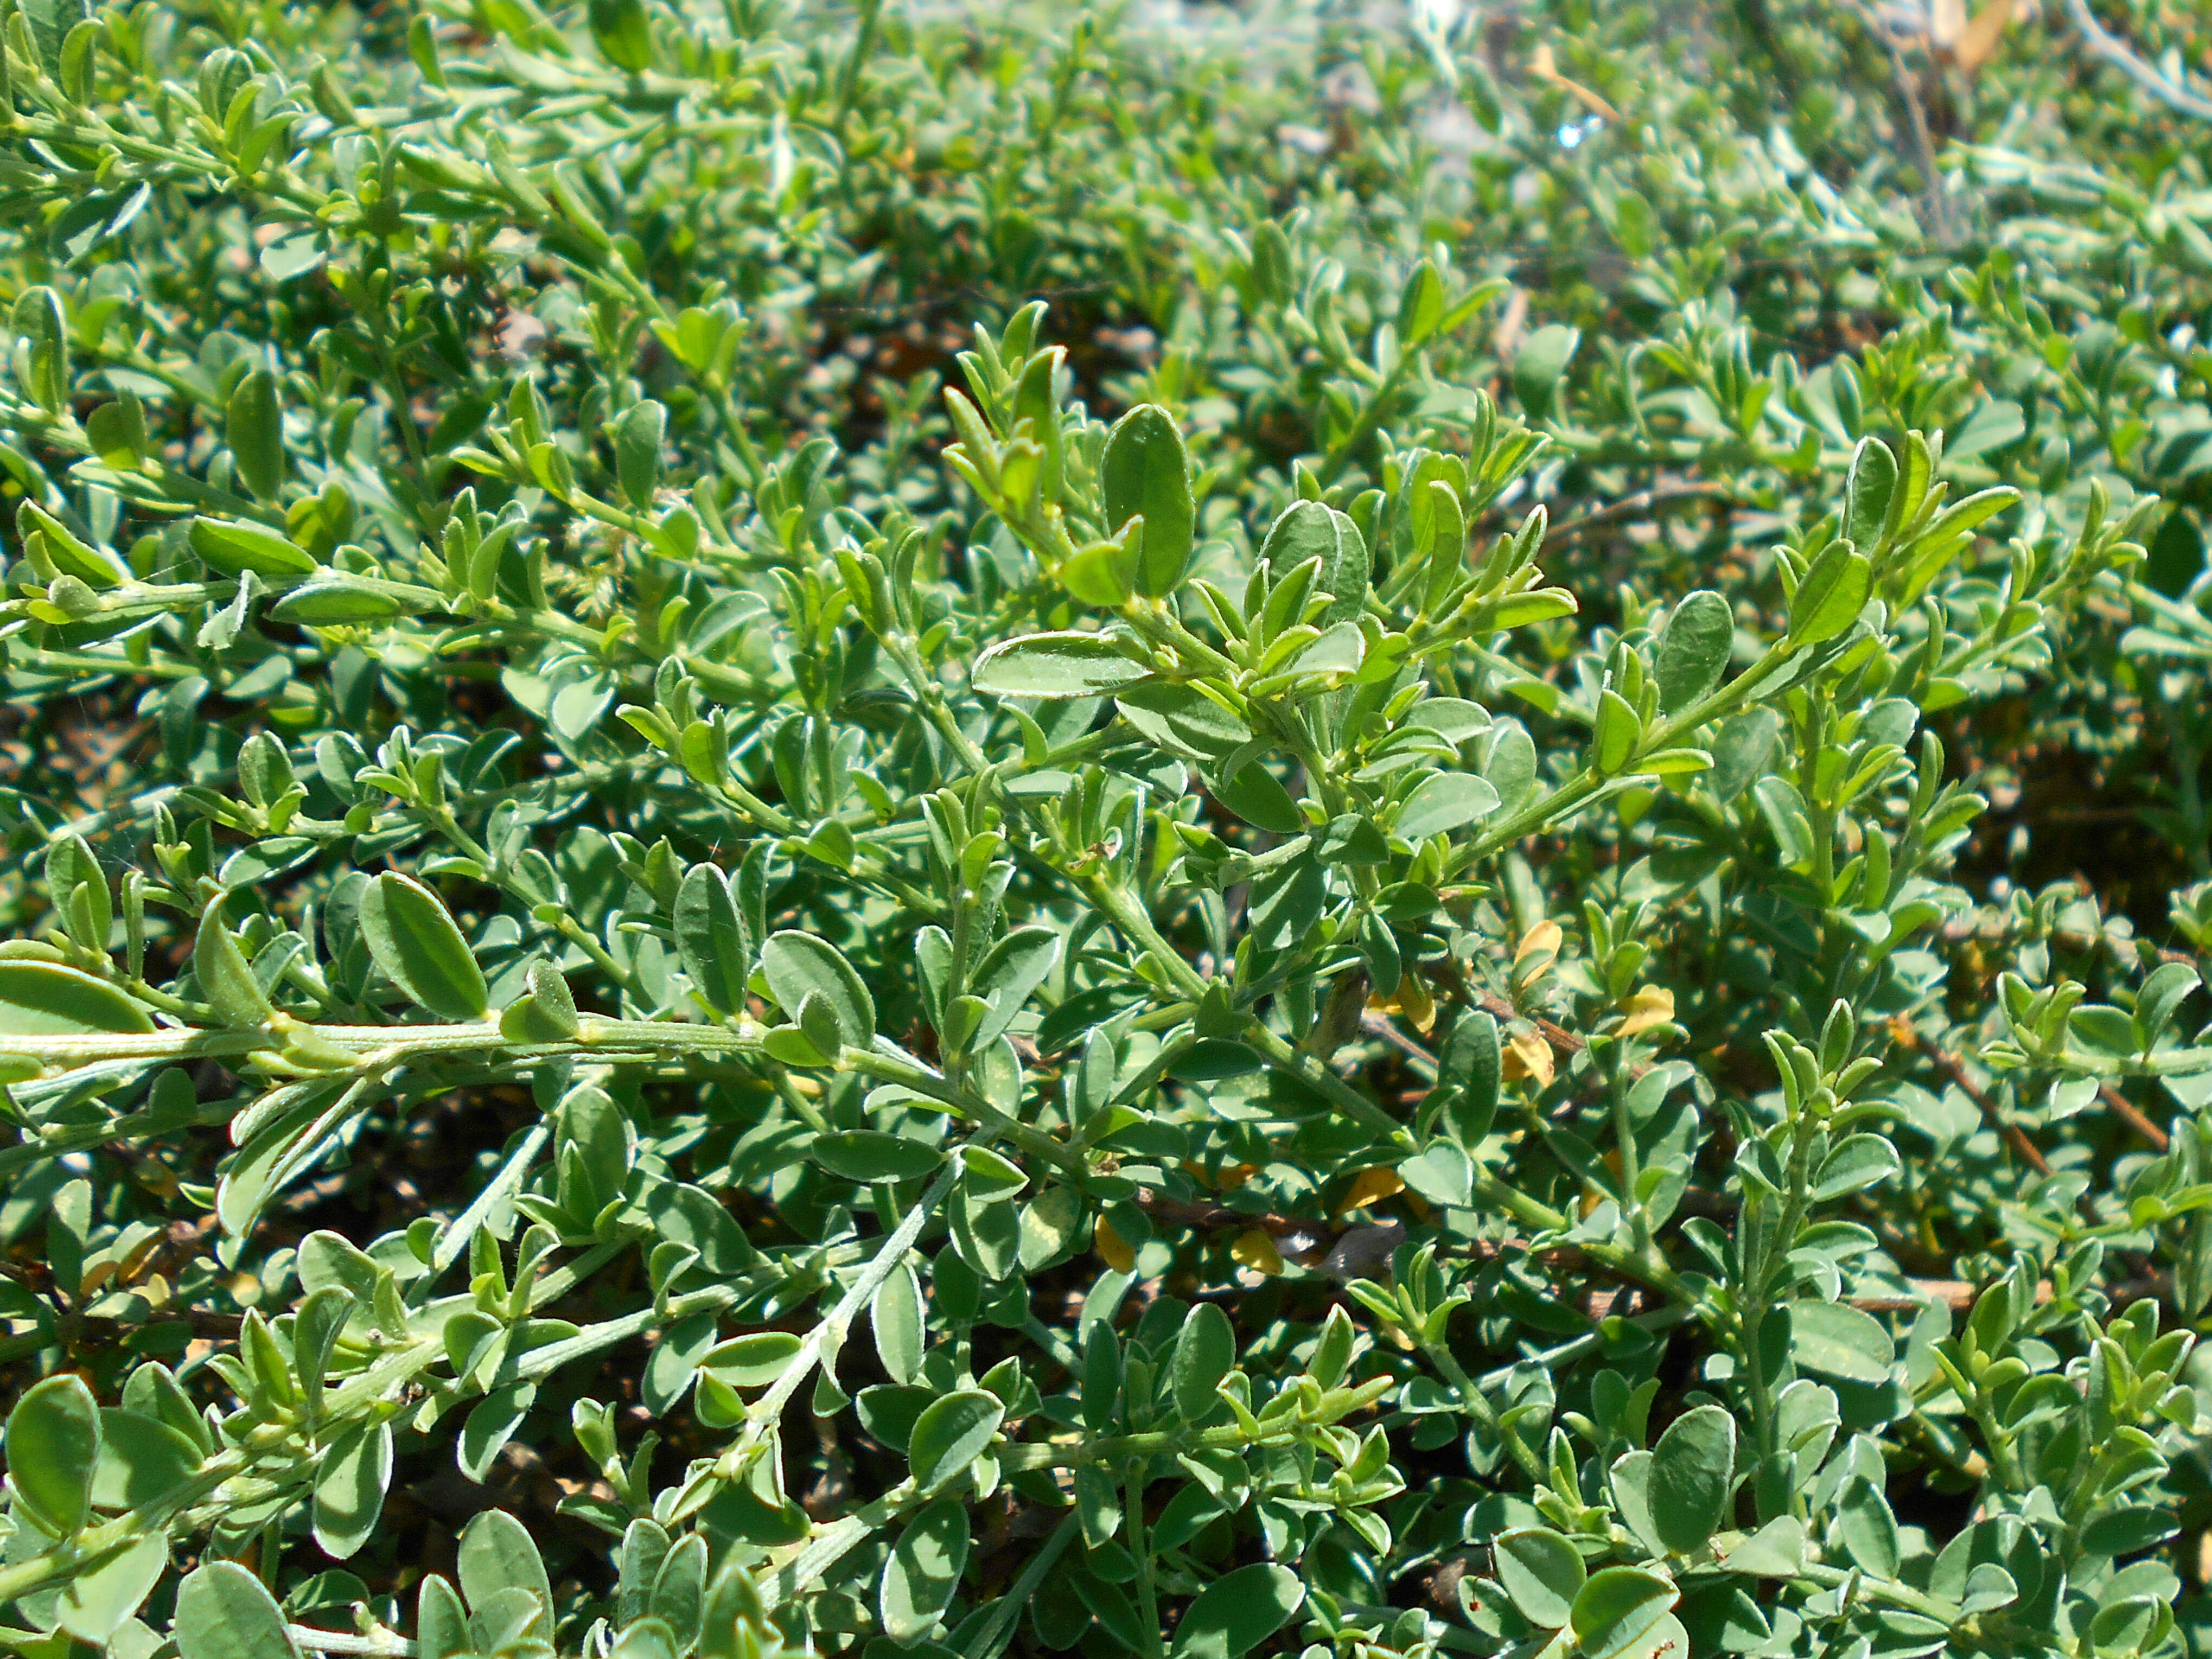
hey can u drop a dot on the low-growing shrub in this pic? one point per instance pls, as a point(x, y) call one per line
point(922, 832)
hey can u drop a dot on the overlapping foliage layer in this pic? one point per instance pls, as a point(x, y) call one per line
point(948, 832)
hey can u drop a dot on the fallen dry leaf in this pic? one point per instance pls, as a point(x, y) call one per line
point(1528, 1055)
point(1369, 1187)
point(1546, 936)
point(1979, 38)
point(1652, 1006)
point(1113, 1249)
point(1256, 1250)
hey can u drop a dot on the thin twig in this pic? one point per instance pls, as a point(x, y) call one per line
point(384, 1645)
point(1940, 225)
point(2014, 1137)
point(2116, 52)
point(2131, 1114)
point(1657, 495)
point(1376, 1025)
point(1955, 1069)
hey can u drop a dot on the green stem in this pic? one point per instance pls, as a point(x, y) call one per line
point(1148, 1600)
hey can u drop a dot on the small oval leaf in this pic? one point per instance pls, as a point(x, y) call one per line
point(1056, 666)
point(951, 1435)
point(49, 999)
point(416, 942)
point(53, 1447)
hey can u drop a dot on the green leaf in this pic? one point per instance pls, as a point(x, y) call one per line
point(734, 1603)
point(1257, 797)
point(872, 1155)
point(337, 600)
point(1286, 900)
point(1856, 1162)
point(349, 1486)
point(1237, 1612)
point(1831, 1340)
point(226, 978)
point(1630, 1480)
point(1539, 366)
point(754, 1360)
point(1056, 666)
point(1541, 1573)
point(710, 938)
point(1693, 650)
point(1470, 1066)
point(234, 549)
point(638, 439)
point(490, 1423)
point(1830, 598)
point(797, 963)
point(951, 1435)
point(1776, 1550)
point(679, 1590)
point(1867, 491)
point(96, 1603)
point(2162, 994)
point(441, 1623)
point(923, 1573)
point(547, 1013)
point(1017, 965)
point(1865, 1527)
point(1619, 728)
point(1205, 1350)
point(1442, 1175)
point(118, 431)
point(53, 1444)
point(496, 1553)
point(254, 428)
point(988, 1176)
point(1691, 1471)
point(142, 1459)
point(1420, 305)
point(38, 321)
point(1616, 1606)
point(1452, 717)
point(896, 1319)
point(1742, 751)
point(1309, 529)
point(1182, 719)
point(47, 999)
point(622, 32)
point(415, 941)
point(1104, 573)
point(1444, 802)
point(2123, 1531)
point(1146, 472)
point(223, 1612)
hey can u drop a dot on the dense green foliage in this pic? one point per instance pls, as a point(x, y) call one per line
point(934, 832)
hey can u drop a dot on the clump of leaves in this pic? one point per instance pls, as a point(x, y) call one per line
point(1347, 941)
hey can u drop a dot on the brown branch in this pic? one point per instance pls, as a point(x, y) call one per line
point(1952, 1066)
point(1642, 500)
point(2131, 1114)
